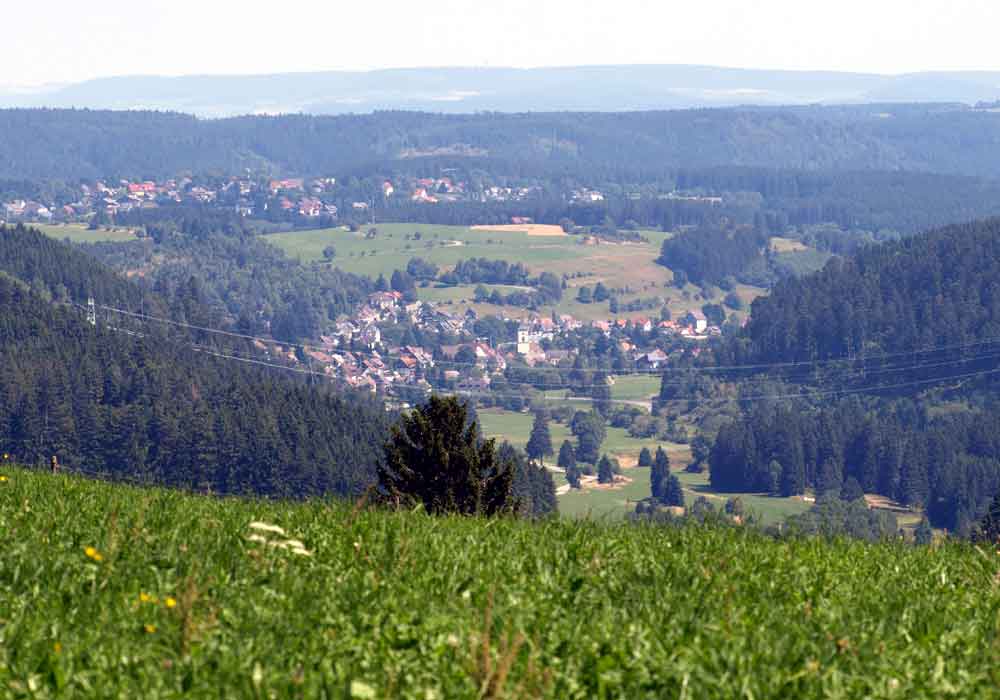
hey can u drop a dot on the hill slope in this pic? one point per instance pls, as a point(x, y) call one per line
point(67, 145)
point(175, 598)
point(148, 403)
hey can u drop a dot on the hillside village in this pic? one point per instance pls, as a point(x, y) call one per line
point(254, 197)
point(299, 200)
point(356, 354)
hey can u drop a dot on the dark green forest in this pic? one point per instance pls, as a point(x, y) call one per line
point(912, 322)
point(148, 408)
point(631, 147)
point(939, 289)
point(156, 404)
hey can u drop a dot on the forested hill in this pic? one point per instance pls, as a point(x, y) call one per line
point(938, 289)
point(72, 144)
point(148, 407)
point(914, 416)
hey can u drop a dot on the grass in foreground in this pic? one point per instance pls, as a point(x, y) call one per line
point(112, 591)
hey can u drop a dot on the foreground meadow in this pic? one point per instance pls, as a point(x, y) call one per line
point(112, 591)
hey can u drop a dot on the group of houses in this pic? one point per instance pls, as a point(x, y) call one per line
point(356, 352)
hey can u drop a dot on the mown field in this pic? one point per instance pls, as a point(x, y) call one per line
point(617, 266)
point(110, 591)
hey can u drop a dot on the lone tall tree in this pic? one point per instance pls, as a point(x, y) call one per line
point(658, 475)
point(436, 457)
point(540, 443)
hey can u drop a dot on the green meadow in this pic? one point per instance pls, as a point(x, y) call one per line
point(79, 233)
point(113, 591)
point(617, 266)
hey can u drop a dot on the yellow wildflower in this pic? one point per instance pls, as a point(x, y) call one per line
point(150, 629)
point(170, 602)
point(57, 648)
point(2, 478)
point(144, 598)
point(93, 554)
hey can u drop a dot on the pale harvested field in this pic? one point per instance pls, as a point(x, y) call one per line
point(530, 229)
point(787, 245)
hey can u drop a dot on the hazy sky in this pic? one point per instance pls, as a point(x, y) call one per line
point(48, 41)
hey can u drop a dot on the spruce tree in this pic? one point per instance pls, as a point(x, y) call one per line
point(673, 494)
point(659, 473)
point(540, 443)
point(573, 476)
point(645, 458)
point(601, 395)
point(567, 457)
point(436, 459)
point(605, 471)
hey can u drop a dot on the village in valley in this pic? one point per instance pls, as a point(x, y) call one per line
point(356, 354)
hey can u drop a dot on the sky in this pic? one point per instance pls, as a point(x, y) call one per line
point(62, 41)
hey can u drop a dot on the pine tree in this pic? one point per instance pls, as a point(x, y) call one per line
point(540, 443)
point(601, 395)
point(567, 457)
point(573, 476)
point(659, 473)
point(645, 458)
point(590, 431)
point(435, 458)
point(605, 471)
point(673, 494)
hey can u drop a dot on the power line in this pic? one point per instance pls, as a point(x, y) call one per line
point(658, 372)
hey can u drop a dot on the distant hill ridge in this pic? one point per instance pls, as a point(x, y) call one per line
point(466, 90)
point(73, 144)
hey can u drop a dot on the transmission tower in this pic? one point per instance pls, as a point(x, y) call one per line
point(91, 311)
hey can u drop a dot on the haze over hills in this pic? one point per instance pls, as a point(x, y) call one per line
point(463, 90)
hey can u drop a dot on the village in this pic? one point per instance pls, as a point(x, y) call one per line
point(298, 200)
point(265, 198)
point(356, 353)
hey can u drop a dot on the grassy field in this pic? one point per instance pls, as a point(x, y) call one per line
point(78, 233)
point(616, 265)
point(109, 591)
point(516, 428)
point(615, 504)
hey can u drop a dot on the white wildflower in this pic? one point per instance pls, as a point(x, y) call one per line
point(266, 527)
point(257, 538)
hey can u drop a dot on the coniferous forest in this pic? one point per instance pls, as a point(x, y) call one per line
point(153, 406)
point(899, 345)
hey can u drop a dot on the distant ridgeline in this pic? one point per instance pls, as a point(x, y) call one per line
point(626, 147)
point(917, 319)
point(151, 406)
